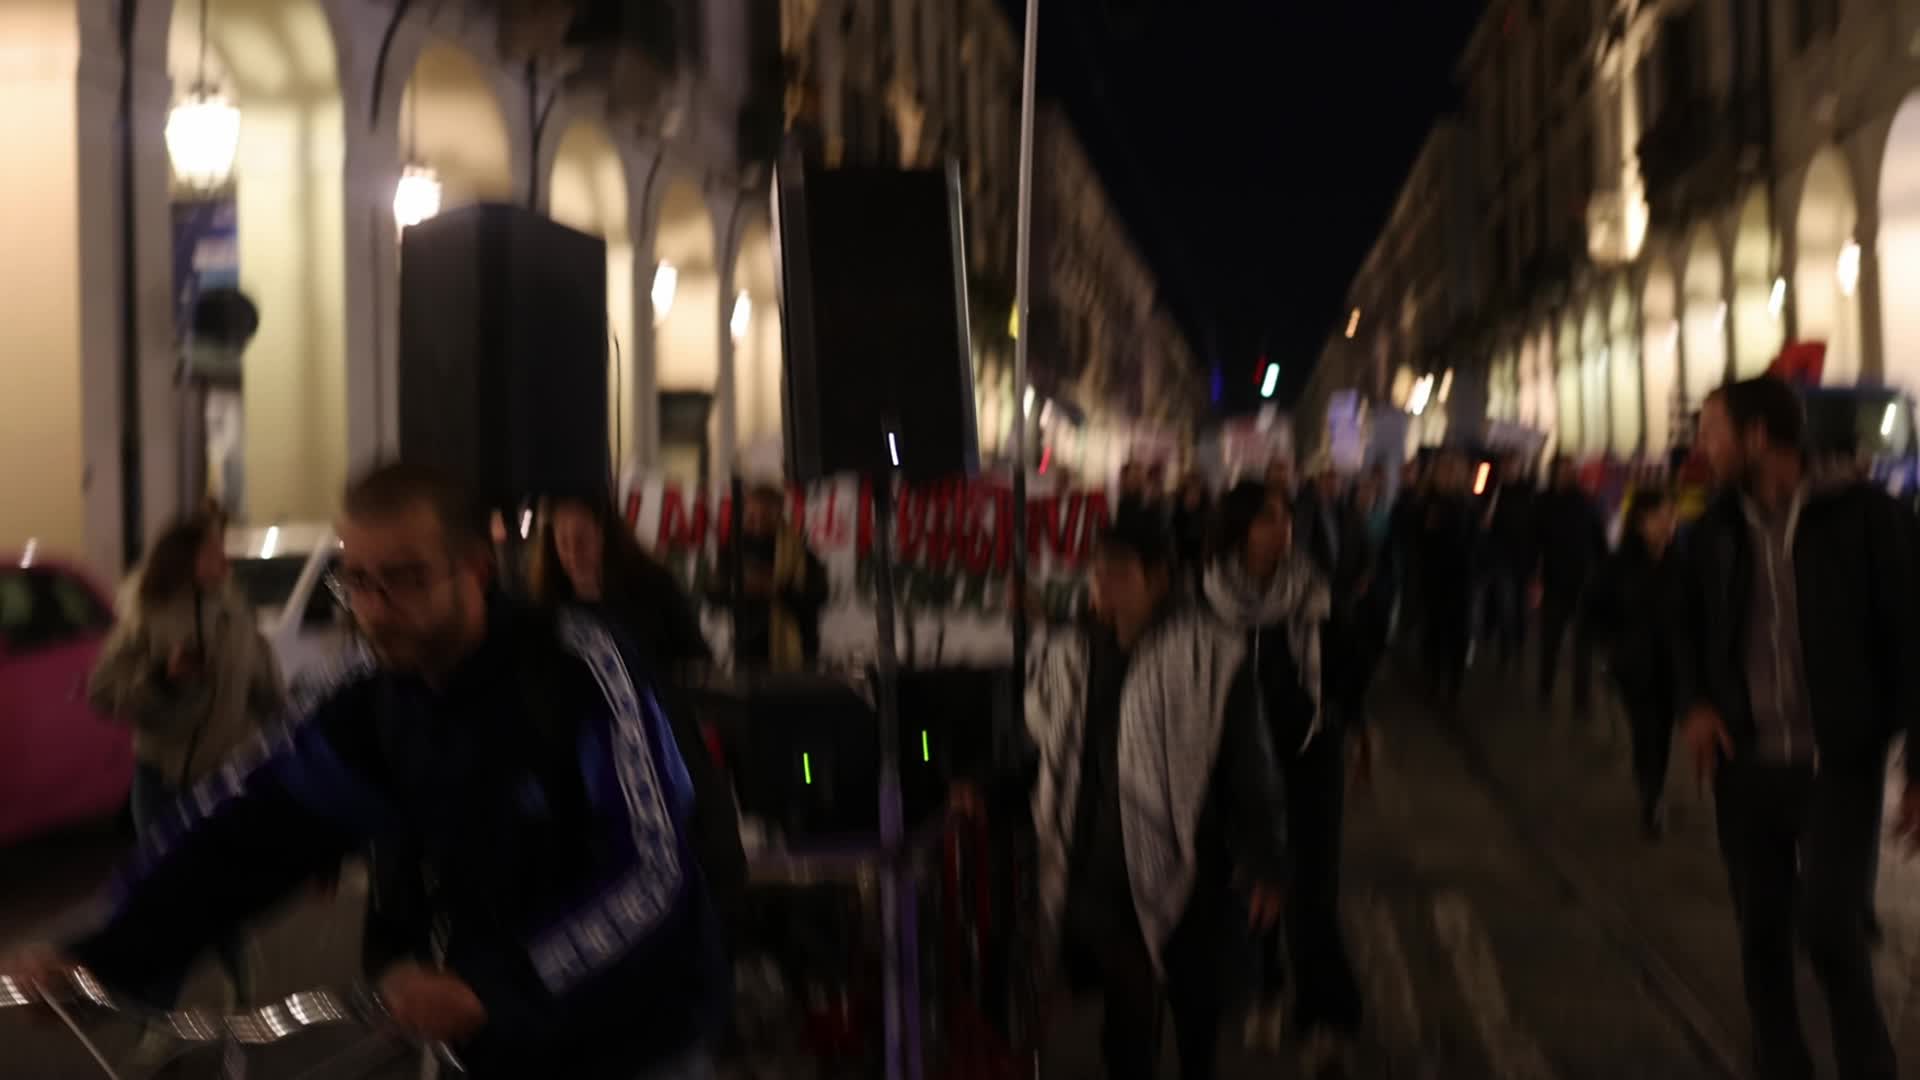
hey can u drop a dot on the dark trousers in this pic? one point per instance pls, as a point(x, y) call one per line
point(1449, 632)
point(1798, 846)
point(1559, 617)
point(152, 798)
point(1503, 613)
point(1650, 721)
point(1326, 995)
point(1196, 991)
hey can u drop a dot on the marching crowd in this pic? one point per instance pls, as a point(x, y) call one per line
point(555, 860)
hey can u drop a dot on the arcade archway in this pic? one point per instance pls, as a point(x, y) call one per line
point(282, 454)
point(452, 122)
point(1623, 373)
point(1703, 319)
point(1759, 296)
point(1899, 247)
point(754, 321)
point(588, 192)
point(1594, 354)
point(1659, 355)
point(1567, 378)
point(1827, 275)
point(686, 323)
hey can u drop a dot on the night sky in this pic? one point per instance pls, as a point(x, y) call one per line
point(1254, 147)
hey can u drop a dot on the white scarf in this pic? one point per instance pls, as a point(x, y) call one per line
point(1172, 709)
point(1297, 597)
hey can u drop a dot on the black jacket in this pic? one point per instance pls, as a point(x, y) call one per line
point(1853, 558)
point(564, 887)
point(1570, 537)
point(1634, 605)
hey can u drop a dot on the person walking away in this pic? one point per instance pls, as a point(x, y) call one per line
point(1192, 512)
point(1571, 541)
point(1156, 792)
point(524, 758)
point(1406, 526)
point(1321, 515)
point(1260, 583)
point(188, 670)
point(1511, 556)
point(1634, 606)
point(1447, 539)
point(774, 586)
point(1798, 664)
point(1373, 596)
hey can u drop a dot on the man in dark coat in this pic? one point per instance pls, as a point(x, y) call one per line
point(1797, 663)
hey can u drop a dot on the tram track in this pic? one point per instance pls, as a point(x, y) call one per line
point(1718, 1048)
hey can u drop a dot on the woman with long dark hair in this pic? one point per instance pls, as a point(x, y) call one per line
point(1633, 608)
point(589, 555)
point(188, 670)
point(1258, 581)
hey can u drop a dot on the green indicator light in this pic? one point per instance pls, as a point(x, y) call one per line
point(806, 766)
point(926, 751)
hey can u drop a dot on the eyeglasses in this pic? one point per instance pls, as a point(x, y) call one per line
point(401, 583)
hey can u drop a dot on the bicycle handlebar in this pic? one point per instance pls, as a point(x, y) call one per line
point(357, 1006)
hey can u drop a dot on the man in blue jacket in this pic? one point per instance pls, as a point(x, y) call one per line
point(564, 924)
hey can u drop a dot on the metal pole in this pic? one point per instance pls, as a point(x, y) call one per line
point(1023, 283)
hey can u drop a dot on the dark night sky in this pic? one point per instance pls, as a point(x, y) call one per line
point(1253, 146)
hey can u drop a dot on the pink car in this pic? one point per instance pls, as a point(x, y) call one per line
point(61, 763)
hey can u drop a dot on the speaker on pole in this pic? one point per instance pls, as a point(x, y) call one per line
point(873, 286)
point(503, 353)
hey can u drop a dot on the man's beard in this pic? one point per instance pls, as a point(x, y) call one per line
point(430, 649)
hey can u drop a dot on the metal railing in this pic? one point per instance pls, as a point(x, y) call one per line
point(77, 998)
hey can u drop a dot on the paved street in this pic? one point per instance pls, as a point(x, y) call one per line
point(1506, 916)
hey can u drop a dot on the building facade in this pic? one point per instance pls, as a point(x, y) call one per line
point(652, 125)
point(1667, 192)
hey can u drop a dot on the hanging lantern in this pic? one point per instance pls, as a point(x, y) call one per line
point(417, 197)
point(203, 135)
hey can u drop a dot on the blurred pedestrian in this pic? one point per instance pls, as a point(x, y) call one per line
point(589, 558)
point(1511, 556)
point(1448, 534)
point(588, 555)
point(1192, 510)
point(774, 586)
point(523, 756)
point(1260, 582)
point(1155, 794)
point(1799, 662)
point(1570, 543)
point(1634, 607)
point(187, 668)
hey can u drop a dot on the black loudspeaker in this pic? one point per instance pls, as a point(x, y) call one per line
point(873, 286)
point(503, 353)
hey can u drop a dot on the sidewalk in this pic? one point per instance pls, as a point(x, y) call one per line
point(1571, 779)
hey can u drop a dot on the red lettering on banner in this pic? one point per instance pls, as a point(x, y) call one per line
point(633, 508)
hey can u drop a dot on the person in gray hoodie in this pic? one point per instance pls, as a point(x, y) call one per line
point(189, 671)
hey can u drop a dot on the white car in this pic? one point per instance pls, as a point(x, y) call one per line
point(286, 573)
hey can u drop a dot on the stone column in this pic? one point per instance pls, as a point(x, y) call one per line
point(1867, 294)
point(726, 210)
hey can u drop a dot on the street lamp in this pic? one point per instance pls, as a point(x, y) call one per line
point(1846, 269)
point(417, 196)
point(666, 281)
point(203, 137)
point(742, 317)
point(203, 130)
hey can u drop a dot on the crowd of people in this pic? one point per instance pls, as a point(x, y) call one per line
point(555, 860)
